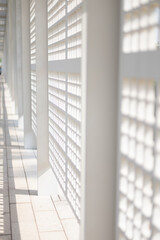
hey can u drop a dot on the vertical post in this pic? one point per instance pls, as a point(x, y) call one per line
point(4, 57)
point(100, 112)
point(29, 138)
point(19, 62)
point(46, 179)
point(7, 48)
point(14, 55)
point(9, 21)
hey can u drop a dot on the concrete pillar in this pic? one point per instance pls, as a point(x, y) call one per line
point(19, 62)
point(7, 48)
point(46, 180)
point(9, 19)
point(100, 112)
point(4, 57)
point(29, 138)
point(14, 55)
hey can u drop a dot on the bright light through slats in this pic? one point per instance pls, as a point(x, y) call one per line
point(64, 46)
point(139, 198)
point(32, 32)
point(139, 182)
point(56, 30)
point(33, 102)
point(74, 34)
point(65, 133)
point(141, 25)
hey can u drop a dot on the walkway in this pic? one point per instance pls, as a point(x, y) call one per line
point(23, 215)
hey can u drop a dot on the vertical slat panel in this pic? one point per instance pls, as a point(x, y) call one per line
point(33, 101)
point(33, 63)
point(64, 45)
point(32, 32)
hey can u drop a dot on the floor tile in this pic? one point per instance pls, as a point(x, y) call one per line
point(53, 236)
point(22, 212)
point(24, 231)
point(64, 210)
point(71, 228)
point(42, 203)
point(18, 183)
point(16, 172)
point(48, 221)
point(19, 196)
point(16, 163)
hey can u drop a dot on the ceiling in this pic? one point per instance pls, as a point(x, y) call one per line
point(3, 13)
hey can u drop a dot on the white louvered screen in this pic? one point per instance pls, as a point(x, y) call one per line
point(64, 52)
point(32, 32)
point(139, 174)
point(33, 65)
point(33, 101)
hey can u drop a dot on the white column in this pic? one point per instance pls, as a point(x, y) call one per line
point(46, 180)
point(7, 48)
point(29, 138)
point(19, 62)
point(14, 56)
point(4, 57)
point(9, 19)
point(100, 112)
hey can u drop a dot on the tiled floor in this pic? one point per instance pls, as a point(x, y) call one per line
point(23, 215)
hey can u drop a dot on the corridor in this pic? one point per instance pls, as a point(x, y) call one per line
point(60, 116)
point(23, 214)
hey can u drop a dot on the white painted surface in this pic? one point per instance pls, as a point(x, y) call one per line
point(64, 96)
point(29, 138)
point(100, 106)
point(47, 184)
point(19, 62)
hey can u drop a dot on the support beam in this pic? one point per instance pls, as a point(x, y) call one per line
point(10, 49)
point(29, 138)
point(14, 56)
point(100, 112)
point(5, 52)
point(46, 180)
point(19, 62)
point(4, 57)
